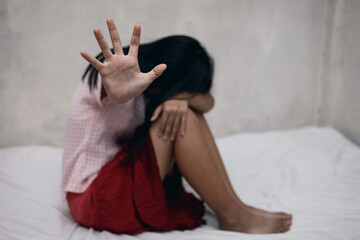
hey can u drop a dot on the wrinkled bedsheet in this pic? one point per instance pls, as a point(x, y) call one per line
point(311, 172)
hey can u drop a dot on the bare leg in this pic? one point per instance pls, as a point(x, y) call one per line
point(198, 164)
point(163, 151)
point(216, 155)
point(219, 163)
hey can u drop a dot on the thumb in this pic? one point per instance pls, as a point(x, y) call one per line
point(156, 113)
point(154, 73)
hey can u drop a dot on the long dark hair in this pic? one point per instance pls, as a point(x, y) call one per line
point(189, 69)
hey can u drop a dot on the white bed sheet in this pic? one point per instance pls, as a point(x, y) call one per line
point(313, 173)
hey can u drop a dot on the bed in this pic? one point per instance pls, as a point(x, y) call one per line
point(311, 172)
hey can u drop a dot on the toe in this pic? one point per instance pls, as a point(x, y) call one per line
point(281, 227)
point(285, 228)
point(288, 222)
point(285, 215)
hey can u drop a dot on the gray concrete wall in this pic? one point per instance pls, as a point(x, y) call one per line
point(271, 60)
point(342, 86)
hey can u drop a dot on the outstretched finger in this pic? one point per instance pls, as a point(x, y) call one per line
point(175, 128)
point(103, 44)
point(169, 126)
point(156, 113)
point(135, 41)
point(115, 38)
point(153, 74)
point(93, 61)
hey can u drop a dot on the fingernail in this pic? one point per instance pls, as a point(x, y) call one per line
point(172, 139)
point(165, 137)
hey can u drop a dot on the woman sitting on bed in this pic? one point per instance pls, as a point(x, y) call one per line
point(129, 140)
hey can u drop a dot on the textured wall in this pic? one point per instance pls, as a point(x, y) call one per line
point(342, 85)
point(269, 59)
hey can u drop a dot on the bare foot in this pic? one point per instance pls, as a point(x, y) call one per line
point(248, 219)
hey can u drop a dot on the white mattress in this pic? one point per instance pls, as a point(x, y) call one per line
point(313, 173)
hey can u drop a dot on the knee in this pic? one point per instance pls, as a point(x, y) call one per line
point(200, 116)
point(193, 118)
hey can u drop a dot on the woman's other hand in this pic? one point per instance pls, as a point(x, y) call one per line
point(121, 75)
point(172, 115)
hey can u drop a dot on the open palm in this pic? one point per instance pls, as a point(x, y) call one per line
point(121, 75)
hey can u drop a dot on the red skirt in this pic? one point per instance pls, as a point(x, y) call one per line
point(133, 199)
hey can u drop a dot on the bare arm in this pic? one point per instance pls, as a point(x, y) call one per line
point(173, 112)
point(202, 102)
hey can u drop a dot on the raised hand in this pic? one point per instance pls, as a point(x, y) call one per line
point(121, 75)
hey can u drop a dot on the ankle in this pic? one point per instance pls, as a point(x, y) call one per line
point(229, 216)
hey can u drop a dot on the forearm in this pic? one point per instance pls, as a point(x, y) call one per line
point(202, 102)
